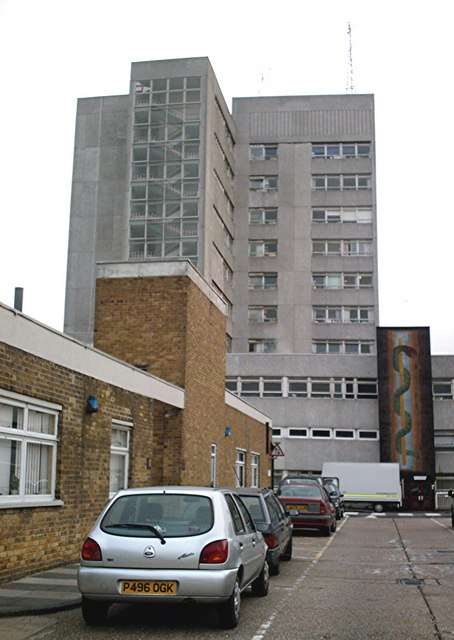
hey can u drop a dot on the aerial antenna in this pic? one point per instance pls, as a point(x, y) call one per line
point(350, 84)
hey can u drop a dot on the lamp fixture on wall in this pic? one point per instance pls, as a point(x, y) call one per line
point(92, 405)
point(227, 432)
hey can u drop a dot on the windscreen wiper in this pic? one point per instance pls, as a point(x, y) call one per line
point(129, 525)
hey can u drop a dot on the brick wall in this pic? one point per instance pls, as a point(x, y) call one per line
point(34, 538)
point(169, 325)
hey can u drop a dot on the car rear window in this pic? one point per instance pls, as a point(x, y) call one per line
point(300, 490)
point(254, 506)
point(159, 515)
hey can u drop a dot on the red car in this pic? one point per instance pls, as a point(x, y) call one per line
point(309, 507)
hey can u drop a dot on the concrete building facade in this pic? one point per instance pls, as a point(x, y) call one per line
point(275, 206)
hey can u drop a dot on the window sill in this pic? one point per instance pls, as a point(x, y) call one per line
point(21, 504)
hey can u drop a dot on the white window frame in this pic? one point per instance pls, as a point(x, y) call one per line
point(328, 150)
point(255, 470)
point(240, 468)
point(341, 182)
point(328, 431)
point(374, 434)
point(25, 438)
point(298, 435)
point(120, 452)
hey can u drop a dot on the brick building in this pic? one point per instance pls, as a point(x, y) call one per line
point(161, 419)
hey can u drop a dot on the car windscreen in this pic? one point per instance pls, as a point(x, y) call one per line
point(254, 506)
point(300, 490)
point(159, 515)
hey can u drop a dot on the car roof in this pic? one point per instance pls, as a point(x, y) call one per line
point(174, 489)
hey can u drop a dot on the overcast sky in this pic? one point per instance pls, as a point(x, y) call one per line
point(55, 51)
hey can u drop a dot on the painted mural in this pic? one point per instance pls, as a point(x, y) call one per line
point(405, 398)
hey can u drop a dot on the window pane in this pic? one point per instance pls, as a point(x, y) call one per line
point(41, 422)
point(10, 467)
point(38, 474)
point(11, 417)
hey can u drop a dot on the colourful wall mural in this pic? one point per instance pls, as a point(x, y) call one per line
point(405, 398)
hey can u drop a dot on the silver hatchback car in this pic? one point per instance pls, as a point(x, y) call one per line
point(172, 544)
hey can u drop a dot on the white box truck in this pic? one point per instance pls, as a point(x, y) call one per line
point(373, 485)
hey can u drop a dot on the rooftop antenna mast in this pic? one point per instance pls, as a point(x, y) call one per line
point(350, 84)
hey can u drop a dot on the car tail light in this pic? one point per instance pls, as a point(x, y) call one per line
point(323, 508)
point(215, 552)
point(270, 540)
point(91, 550)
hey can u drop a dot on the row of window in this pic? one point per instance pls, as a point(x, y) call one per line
point(348, 182)
point(302, 387)
point(338, 314)
point(328, 150)
point(167, 90)
point(342, 247)
point(359, 215)
point(322, 432)
point(350, 347)
point(342, 280)
point(28, 452)
point(320, 315)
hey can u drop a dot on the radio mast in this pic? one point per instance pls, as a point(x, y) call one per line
point(350, 84)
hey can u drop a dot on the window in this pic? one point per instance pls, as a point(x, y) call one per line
point(331, 182)
point(341, 150)
point(297, 433)
point(28, 449)
point(342, 280)
point(263, 280)
point(276, 432)
point(367, 435)
point(363, 347)
point(262, 314)
point(250, 386)
point(263, 183)
point(231, 384)
point(344, 434)
point(263, 215)
point(355, 315)
point(272, 387)
point(255, 470)
point(119, 456)
point(213, 465)
point(261, 345)
point(342, 214)
point(442, 390)
point(342, 247)
point(240, 468)
point(262, 248)
point(297, 387)
point(321, 433)
point(263, 151)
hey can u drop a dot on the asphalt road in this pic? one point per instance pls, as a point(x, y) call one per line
point(377, 577)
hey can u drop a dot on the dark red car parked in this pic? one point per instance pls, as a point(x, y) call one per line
point(309, 507)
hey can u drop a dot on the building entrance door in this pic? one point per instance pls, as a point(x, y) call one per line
point(418, 495)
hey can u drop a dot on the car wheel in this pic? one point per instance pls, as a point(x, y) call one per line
point(326, 531)
point(229, 612)
point(261, 584)
point(378, 508)
point(274, 568)
point(334, 525)
point(287, 555)
point(94, 612)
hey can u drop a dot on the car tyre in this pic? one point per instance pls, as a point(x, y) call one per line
point(94, 612)
point(261, 584)
point(287, 555)
point(229, 611)
point(274, 568)
point(334, 525)
point(326, 531)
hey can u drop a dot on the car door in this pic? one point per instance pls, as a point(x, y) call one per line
point(250, 542)
point(281, 521)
